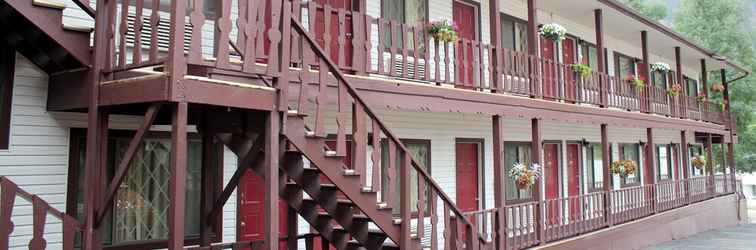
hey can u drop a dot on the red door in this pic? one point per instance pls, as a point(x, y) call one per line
point(551, 175)
point(464, 16)
point(251, 210)
point(568, 57)
point(573, 179)
point(467, 176)
point(334, 28)
point(549, 68)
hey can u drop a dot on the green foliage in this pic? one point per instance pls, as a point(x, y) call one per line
point(724, 26)
point(582, 69)
point(655, 10)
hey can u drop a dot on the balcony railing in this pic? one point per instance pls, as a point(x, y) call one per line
point(532, 223)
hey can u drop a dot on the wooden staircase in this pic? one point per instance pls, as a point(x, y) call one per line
point(35, 28)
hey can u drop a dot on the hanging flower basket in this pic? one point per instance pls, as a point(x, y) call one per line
point(582, 69)
point(660, 67)
point(552, 31)
point(637, 82)
point(699, 161)
point(717, 87)
point(674, 90)
point(525, 176)
point(701, 98)
point(444, 31)
point(624, 168)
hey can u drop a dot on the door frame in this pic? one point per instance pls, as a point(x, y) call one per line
point(581, 189)
point(480, 142)
point(476, 8)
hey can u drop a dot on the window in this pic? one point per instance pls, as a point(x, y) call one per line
point(595, 165)
point(664, 161)
point(625, 65)
point(412, 12)
point(7, 67)
point(420, 150)
point(695, 150)
point(517, 152)
point(631, 151)
point(692, 86)
point(139, 210)
point(659, 79)
point(514, 33)
point(589, 55)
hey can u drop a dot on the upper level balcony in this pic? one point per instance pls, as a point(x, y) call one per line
point(231, 42)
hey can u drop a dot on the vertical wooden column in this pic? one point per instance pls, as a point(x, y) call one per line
point(726, 96)
point(100, 59)
point(537, 156)
point(176, 61)
point(683, 102)
point(533, 50)
point(495, 30)
point(291, 226)
point(686, 163)
point(732, 165)
point(177, 184)
point(272, 130)
point(732, 127)
point(645, 71)
point(599, 26)
point(101, 176)
point(705, 89)
point(405, 195)
point(607, 172)
point(206, 187)
point(710, 162)
point(500, 199)
point(651, 166)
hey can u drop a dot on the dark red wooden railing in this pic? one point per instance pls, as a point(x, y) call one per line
point(9, 191)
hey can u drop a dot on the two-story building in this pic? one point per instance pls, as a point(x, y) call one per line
point(142, 124)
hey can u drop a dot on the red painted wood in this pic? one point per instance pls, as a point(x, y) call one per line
point(337, 27)
point(548, 50)
point(467, 176)
point(465, 17)
point(551, 173)
point(573, 178)
point(251, 210)
point(568, 58)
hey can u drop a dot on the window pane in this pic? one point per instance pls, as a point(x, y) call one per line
point(507, 33)
point(521, 39)
point(692, 87)
point(516, 153)
point(632, 152)
point(598, 166)
point(663, 161)
point(626, 65)
point(420, 152)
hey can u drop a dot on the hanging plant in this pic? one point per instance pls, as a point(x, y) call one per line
point(660, 67)
point(717, 87)
point(525, 176)
point(637, 82)
point(701, 98)
point(552, 31)
point(582, 69)
point(699, 161)
point(674, 90)
point(723, 105)
point(624, 168)
point(444, 31)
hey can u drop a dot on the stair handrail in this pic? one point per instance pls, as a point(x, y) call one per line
point(390, 135)
point(85, 7)
point(9, 192)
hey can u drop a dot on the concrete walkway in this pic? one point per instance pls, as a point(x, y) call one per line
point(733, 238)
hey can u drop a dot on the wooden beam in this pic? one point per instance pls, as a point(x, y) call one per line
point(206, 187)
point(599, 26)
point(710, 162)
point(500, 227)
point(271, 177)
point(681, 80)
point(684, 152)
point(177, 184)
point(704, 79)
point(532, 28)
point(125, 163)
point(645, 71)
point(537, 156)
point(495, 30)
point(650, 166)
point(607, 187)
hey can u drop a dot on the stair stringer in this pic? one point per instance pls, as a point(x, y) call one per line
point(312, 149)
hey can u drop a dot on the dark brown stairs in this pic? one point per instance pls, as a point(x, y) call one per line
point(345, 223)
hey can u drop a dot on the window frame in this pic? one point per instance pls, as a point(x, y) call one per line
point(428, 169)
point(507, 167)
point(638, 176)
point(514, 38)
point(590, 167)
point(388, 39)
point(78, 136)
point(692, 148)
point(688, 82)
point(7, 74)
point(657, 160)
point(617, 70)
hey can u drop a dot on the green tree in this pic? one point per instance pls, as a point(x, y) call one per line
point(654, 10)
point(725, 27)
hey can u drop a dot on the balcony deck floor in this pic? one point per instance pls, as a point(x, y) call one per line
point(740, 237)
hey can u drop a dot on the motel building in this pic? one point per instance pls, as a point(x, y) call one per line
point(358, 124)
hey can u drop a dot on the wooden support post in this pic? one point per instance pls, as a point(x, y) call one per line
point(607, 173)
point(686, 164)
point(683, 102)
point(650, 166)
point(537, 156)
point(272, 135)
point(291, 226)
point(500, 227)
point(732, 165)
point(176, 61)
point(710, 162)
point(533, 50)
point(705, 88)
point(494, 28)
point(405, 194)
point(599, 26)
point(177, 184)
point(645, 71)
point(207, 188)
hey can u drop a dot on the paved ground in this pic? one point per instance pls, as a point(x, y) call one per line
point(734, 238)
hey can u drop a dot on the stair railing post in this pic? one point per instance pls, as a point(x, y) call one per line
point(176, 61)
point(404, 196)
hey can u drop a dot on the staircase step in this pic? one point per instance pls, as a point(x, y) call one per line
point(311, 134)
point(49, 4)
point(295, 113)
point(75, 28)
